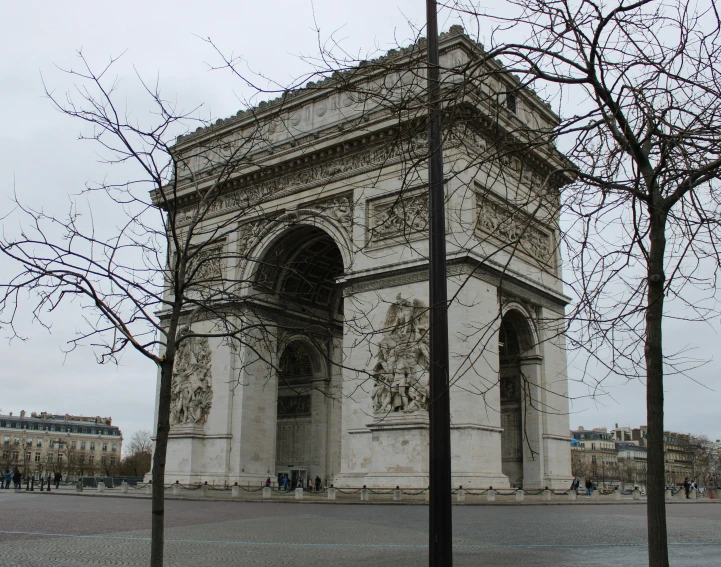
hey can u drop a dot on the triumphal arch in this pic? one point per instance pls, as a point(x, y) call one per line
point(329, 208)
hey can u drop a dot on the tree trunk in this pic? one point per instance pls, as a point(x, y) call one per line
point(653, 351)
point(157, 538)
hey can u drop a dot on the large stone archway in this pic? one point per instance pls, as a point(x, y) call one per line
point(330, 256)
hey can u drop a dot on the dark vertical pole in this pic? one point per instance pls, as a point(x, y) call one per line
point(440, 529)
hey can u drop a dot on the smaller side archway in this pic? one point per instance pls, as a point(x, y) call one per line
point(515, 341)
point(301, 416)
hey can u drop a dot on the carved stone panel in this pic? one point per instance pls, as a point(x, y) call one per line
point(400, 367)
point(514, 227)
point(399, 218)
point(192, 390)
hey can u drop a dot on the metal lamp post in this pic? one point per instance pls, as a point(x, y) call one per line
point(440, 528)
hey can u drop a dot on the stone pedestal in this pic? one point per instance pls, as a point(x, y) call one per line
point(572, 495)
point(519, 495)
point(636, 494)
point(331, 493)
point(399, 451)
point(299, 494)
point(693, 494)
point(669, 494)
point(235, 491)
point(546, 495)
point(149, 489)
point(616, 494)
point(78, 486)
point(397, 495)
point(461, 496)
point(364, 494)
point(491, 495)
point(101, 486)
point(594, 494)
point(176, 489)
point(124, 487)
point(267, 492)
point(204, 490)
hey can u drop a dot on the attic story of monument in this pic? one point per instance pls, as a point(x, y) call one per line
point(329, 251)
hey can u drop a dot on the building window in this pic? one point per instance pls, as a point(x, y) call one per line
point(37, 457)
point(27, 457)
point(29, 441)
point(593, 446)
point(85, 429)
point(593, 459)
point(73, 444)
point(60, 445)
point(105, 447)
point(17, 441)
point(52, 443)
point(39, 443)
point(7, 440)
point(15, 456)
point(91, 460)
point(112, 460)
point(92, 446)
point(50, 457)
point(114, 447)
point(511, 102)
point(82, 445)
point(102, 460)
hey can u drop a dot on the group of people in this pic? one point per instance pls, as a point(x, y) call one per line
point(285, 483)
point(688, 486)
point(589, 486)
point(16, 477)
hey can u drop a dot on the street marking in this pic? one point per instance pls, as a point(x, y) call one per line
point(372, 545)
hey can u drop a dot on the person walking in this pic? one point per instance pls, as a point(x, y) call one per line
point(58, 478)
point(17, 478)
point(8, 477)
point(589, 488)
point(317, 483)
point(267, 481)
point(687, 487)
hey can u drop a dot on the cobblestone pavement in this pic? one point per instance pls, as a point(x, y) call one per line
point(39, 530)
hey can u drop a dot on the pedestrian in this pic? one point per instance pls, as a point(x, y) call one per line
point(286, 480)
point(267, 481)
point(317, 483)
point(58, 478)
point(310, 485)
point(687, 487)
point(8, 478)
point(589, 488)
point(17, 478)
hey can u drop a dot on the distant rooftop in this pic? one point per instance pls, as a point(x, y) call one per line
point(47, 417)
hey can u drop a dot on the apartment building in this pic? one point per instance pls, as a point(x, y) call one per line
point(45, 443)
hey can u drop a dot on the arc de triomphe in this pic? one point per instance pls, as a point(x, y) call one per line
point(336, 384)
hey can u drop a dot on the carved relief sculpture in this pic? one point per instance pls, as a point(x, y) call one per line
point(513, 226)
point(192, 391)
point(402, 217)
point(400, 367)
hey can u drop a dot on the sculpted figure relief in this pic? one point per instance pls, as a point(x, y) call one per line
point(192, 391)
point(400, 367)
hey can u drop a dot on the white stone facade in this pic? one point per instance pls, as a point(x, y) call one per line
point(337, 232)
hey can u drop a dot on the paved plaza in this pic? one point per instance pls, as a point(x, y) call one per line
point(39, 530)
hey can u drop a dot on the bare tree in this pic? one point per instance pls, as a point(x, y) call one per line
point(638, 84)
point(137, 461)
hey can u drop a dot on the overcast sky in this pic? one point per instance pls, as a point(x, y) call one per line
point(42, 160)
